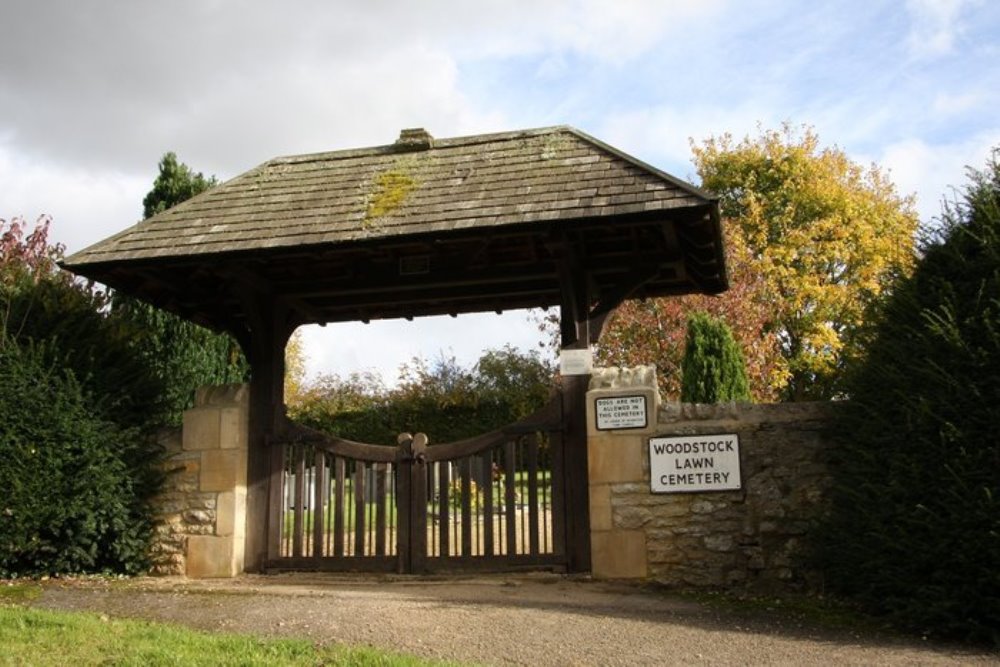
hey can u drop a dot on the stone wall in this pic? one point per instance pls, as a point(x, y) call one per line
point(751, 537)
point(202, 510)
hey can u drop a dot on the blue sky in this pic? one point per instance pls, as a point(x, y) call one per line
point(92, 94)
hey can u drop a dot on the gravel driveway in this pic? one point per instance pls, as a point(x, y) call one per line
point(497, 620)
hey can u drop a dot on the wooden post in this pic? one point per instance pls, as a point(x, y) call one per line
point(268, 335)
point(573, 321)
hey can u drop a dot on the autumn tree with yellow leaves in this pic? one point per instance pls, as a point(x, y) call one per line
point(813, 241)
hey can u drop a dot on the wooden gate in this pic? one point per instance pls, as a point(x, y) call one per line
point(494, 502)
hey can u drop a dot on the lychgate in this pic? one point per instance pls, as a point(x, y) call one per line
point(424, 226)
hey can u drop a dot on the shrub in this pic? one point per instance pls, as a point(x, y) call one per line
point(76, 405)
point(443, 400)
point(70, 501)
point(713, 369)
point(914, 529)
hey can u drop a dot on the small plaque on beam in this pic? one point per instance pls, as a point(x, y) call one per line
point(576, 362)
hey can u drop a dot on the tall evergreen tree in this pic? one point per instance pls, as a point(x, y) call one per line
point(713, 369)
point(176, 182)
point(914, 531)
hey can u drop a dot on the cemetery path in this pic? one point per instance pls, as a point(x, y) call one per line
point(498, 620)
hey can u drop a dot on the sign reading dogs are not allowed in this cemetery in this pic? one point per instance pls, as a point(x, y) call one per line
point(695, 463)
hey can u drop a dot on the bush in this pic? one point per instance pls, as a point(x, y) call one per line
point(71, 503)
point(713, 369)
point(914, 531)
point(181, 355)
point(98, 350)
point(444, 400)
point(76, 407)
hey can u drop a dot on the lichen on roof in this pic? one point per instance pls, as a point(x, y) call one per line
point(389, 191)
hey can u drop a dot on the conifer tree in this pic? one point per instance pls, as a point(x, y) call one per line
point(713, 369)
point(914, 528)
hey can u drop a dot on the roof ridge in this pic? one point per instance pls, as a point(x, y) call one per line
point(447, 142)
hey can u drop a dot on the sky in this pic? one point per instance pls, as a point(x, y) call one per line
point(92, 94)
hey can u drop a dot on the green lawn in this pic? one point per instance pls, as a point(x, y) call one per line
point(37, 637)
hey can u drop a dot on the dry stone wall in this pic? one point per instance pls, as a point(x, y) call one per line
point(201, 512)
point(752, 537)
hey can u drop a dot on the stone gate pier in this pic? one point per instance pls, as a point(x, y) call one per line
point(202, 509)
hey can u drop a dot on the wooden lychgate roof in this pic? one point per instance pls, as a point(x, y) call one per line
point(419, 227)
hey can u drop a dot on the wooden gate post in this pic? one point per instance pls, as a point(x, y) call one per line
point(574, 310)
point(411, 499)
point(264, 347)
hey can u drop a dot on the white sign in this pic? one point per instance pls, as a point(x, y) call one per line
point(576, 362)
point(620, 412)
point(695, 463)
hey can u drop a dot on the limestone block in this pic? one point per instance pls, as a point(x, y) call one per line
point(222, 395)
point(231, 513)
point(233, 428)
point(600, 507)
point(618, 554)
point(616, 458)
point(723, 543)
point(632, 518)
point(170, 440)
point(210, 556)
point(624, 379)
point(201, 429)
point(222, 469)
point(197, 517)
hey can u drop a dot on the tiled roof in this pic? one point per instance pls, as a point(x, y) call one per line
point(416, 186)
point(422, 227)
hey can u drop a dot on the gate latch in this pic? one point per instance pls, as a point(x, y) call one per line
point(414, 447)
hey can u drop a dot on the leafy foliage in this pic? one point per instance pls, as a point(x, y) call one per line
point(653, 330)
point(72, 499)
point(75, 465)
point(812, 242)
point(826, 236)
point(40, 304)
point(713, 370)
point(443, 400)
point(176, 182)
point(182, 354)
point(914, 531)
point(27, 256)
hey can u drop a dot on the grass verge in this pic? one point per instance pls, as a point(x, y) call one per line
point(37, 637)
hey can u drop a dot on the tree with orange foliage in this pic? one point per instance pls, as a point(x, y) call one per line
point(813, 241)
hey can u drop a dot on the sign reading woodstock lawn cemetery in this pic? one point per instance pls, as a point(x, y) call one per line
point(694, 463)
point(618, 412)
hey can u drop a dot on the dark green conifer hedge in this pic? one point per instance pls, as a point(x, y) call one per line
point(914, 532)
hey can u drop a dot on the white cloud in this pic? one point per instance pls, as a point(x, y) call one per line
point(85, 206)
point(934, 171)
point(948, 104)
point(662, 134)
point(936, 26)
